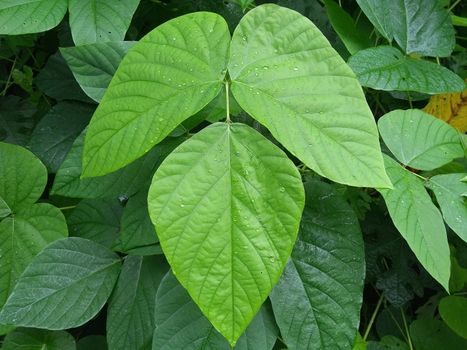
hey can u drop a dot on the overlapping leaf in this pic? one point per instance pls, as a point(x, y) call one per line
point(226, 205)
point(453, 310)
point(38, 339)
point(284, 72)
point(318, 298)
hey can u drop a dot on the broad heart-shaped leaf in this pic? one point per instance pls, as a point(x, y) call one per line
point(71, 280)
point(22, 176)
point(226, 205)
point(285, 73)
point(93, 21)
point(386, 68)
point(181, 325)
point(38, 339)
point(124, 182)
point(421, 27)
point(97, 220)
point(318, 298)
point(418, 221)
point(22, 236)
point(169, 75)
point(420, 140)
point(449, 191)
point(130, 316)
point(55, 133)
point(30, 16)
point(94, 65)
point(453, 310)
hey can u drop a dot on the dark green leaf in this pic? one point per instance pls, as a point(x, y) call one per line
point(431, 334)
point(453, 310)
point(16, 120)
point(38, 339)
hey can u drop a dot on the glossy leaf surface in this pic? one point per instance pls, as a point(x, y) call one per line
point(285, 72)
point(226, 205)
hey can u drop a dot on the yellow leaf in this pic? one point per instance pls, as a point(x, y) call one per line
point(452, 108)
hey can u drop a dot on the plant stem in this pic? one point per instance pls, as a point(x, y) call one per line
point(406, 330)
point(453, 5)
point(373, 317)
point(227, 102)
point(7, 85)
point(67, 208)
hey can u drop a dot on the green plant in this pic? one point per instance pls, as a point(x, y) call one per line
point(245, 163)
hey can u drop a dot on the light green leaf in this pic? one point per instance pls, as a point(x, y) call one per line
point(55, 133)
point(169, 75)
point(4, 209)
point(94, 65)
point(75, 270)
point(344, 25)
point(431, 334)
point(226, 205)
point(285, 72)
point(93, 21)
point(130, 316)
point(38, 339)
point(22, 176)
point(97, 220)
point(22, 236)
point(453, 310)
point(386, 68)
point(181, 325)
point(124, 182)
point(318, 298)
point(459, 21)
point(30, 16)
point(419, 140)
point(421, 27)
point(418, 221)
point(449, 190)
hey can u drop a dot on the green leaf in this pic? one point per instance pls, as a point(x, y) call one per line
point(75, 270)
point(388, 342)
point(97, 220)
point(420, 27)
point(318, 298)
point(386, 68)
point(418, 221)
point(92, 342)
point(30, 16)
point(56, 80)
point(124, 182)
point(419, 140)
point(93, 21)
point(137, 229)
point(22, 236)
point(344, 25)
point(4, 209)
point(453, 310)
point(16, 119)
point(181, 325)
point(38, 339)
point(130, 316)
point(94, 65)
point(430, 334)
point(449, 190)
point(459, 21)
point(226, 205)
point(285, 72)
point(22, 176)
point(54, 134)
point(169, 75)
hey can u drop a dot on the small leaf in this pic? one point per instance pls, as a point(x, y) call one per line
point(285, 72)
point(181, 325)
point(226, 205)
point(38, 339)
point(318, 298)
point(386, 68)
point(75, 270)
point(453, 310)
point(22, 176)
point(94, 65)
point(418, 221)
point(419, 140)
point(93, 21)
point(169, 75)
point(54, 134)
point(130, 316)
point(449, 190)
point(30, 16)
point(97, 220)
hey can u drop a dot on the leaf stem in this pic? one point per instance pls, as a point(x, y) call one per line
point(227, 103)
point(453, 5)
point(406, 330)
point(67, 208)
point(373, 317)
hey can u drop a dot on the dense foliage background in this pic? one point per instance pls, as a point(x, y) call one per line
point(51, 82)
